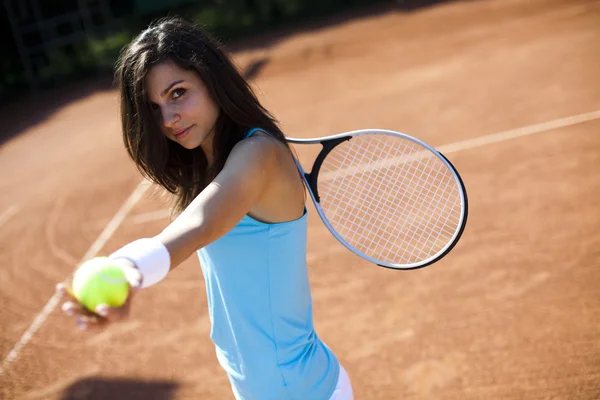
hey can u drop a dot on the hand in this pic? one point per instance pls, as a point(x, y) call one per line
point(103, 314)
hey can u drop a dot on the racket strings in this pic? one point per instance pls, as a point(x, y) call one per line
point(390, 198)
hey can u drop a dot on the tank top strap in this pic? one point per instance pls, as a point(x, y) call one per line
point(253, 131)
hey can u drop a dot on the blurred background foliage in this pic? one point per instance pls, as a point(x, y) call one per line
point(93, 51)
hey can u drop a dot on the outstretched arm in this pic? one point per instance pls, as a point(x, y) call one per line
point(225, 201)
point(215, 211)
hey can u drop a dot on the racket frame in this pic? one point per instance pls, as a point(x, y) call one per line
point(311, 182)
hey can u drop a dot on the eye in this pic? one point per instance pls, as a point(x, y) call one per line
point(177, 93)
point(154, 106)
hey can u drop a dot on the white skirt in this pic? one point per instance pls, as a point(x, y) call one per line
point(343, 389)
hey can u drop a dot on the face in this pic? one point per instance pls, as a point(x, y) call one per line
point(185, 110)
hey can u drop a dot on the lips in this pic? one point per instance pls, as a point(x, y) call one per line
point(181, 133)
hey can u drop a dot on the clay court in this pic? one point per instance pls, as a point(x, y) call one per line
point(509, 90)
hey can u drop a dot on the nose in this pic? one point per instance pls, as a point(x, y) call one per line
point(170, 117)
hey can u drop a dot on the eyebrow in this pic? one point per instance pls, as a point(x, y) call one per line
point(164, 92)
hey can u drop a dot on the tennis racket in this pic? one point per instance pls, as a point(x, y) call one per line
point(388, 197)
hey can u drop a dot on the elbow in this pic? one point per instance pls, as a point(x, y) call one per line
point(201, 234)
point(185, 236)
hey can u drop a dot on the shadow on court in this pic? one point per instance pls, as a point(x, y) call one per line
point(30, 109)
point(275, 35)
point(252, 71)
point(119, 389)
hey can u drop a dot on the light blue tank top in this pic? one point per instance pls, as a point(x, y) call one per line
point(260, 308)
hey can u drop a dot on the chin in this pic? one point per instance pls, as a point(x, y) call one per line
point(189, 146)
point(192, 143)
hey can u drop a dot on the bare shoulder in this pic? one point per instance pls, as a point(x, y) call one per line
point(261, 148)
point(258, 144)
point(270, 161)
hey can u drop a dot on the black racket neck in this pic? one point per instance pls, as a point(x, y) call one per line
point(313, 175)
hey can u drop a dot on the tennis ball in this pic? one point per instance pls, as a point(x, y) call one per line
point(100, 281)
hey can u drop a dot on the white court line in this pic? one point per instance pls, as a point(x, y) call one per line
point(143, 186)
point(519, 132)
point(151, 216)
point(463, 145)
point(105, 235)
point(9, 213)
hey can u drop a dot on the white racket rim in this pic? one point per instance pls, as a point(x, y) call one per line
point(363, 132)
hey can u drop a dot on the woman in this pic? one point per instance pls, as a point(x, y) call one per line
point(192, 125)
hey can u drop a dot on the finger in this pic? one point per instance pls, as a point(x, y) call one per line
point(133, 276)
point(113, 314)
point(72, 308)
point(65, 291)
point(92, 322)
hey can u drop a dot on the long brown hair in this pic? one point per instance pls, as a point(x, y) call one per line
point(182, 172)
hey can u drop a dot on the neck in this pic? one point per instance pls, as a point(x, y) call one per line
point(207, 147)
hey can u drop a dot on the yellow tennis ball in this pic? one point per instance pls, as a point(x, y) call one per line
point(100, 281)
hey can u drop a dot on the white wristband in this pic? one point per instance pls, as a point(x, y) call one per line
point(150, 256)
